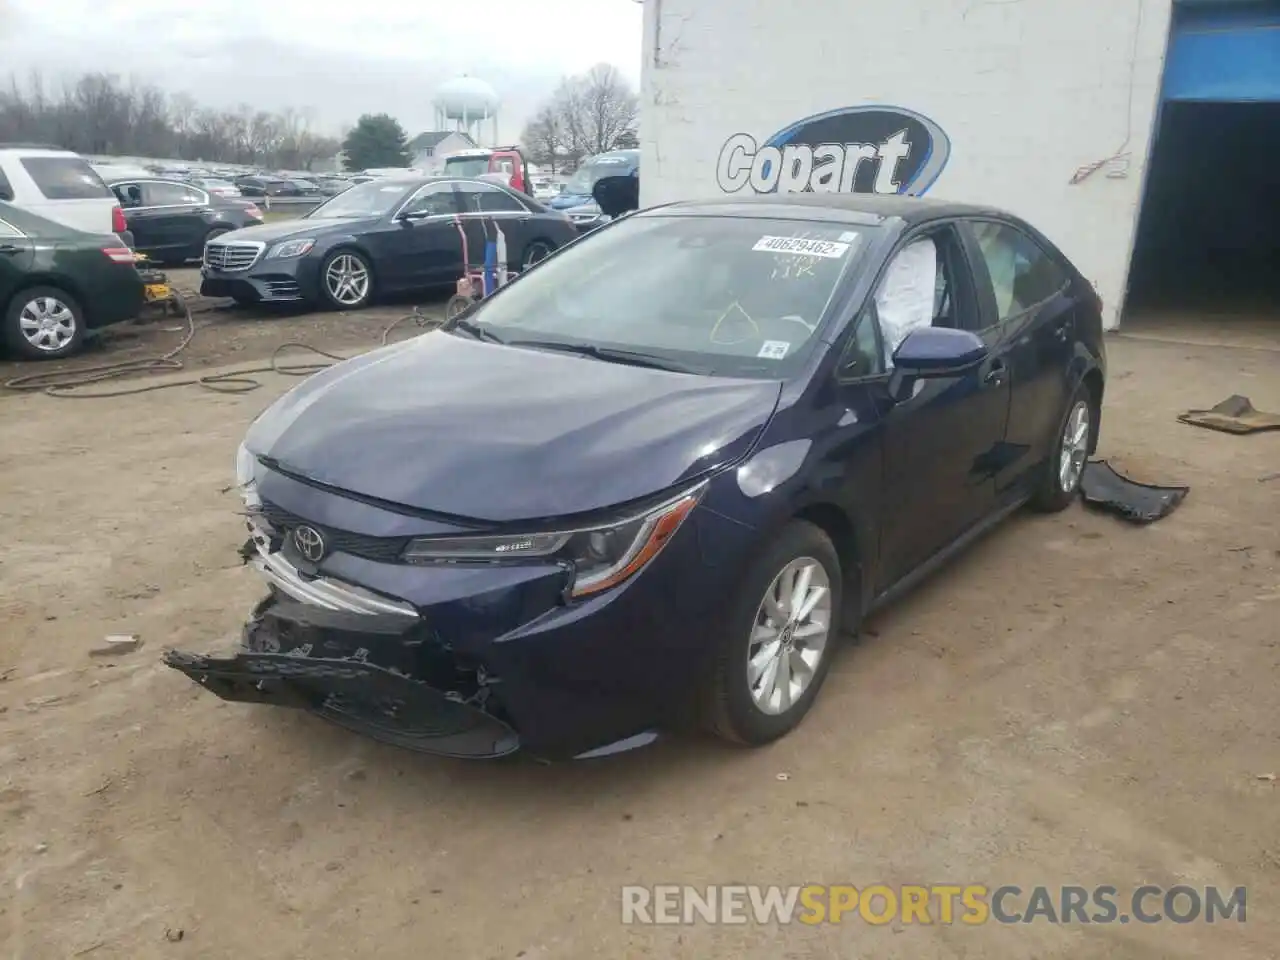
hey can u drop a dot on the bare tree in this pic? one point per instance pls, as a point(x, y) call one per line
point(98, 114)
point(588, 114)
point(545, 139)
point(609, 105)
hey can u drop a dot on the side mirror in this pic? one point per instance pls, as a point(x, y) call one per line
point(931, 353)
point(408, 216)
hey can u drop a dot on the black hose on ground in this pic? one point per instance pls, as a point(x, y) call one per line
point(68, 383)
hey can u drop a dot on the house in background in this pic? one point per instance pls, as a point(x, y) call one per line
point(428, 150)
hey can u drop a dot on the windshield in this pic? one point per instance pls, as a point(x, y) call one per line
point(467, 166)
point(580, 183)
point(730, 296)
point(377, 198)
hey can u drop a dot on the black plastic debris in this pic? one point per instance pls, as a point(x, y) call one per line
point(1104, 489)
point(1233, 415)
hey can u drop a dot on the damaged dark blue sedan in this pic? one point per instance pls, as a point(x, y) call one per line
point(651, 482)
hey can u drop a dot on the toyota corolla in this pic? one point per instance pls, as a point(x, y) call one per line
point(650, 483)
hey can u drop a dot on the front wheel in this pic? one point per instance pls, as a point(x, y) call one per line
point(1060, 478)
point(43, 323)
point(346, 280)
point(778, 638)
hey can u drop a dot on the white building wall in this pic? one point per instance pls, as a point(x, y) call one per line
point(1028, 91)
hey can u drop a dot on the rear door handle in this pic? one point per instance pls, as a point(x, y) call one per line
point(995, 374)
point(9, 248)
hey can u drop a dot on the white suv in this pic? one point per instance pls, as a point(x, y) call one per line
point(61, 186)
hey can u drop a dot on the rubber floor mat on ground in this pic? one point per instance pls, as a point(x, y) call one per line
point(1104, 489)
point(1233, 415)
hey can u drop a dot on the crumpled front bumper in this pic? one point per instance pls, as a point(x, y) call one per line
point(292, 657)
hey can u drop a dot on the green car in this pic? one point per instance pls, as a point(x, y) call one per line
point(57, 283)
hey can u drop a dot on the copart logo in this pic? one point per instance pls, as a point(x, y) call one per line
point(851, 150)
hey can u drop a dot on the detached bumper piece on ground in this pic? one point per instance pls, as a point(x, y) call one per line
point(1104, 489)
point(1233, 415)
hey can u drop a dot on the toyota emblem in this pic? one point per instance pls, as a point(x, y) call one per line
point(309, 543)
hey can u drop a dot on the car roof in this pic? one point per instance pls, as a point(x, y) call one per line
point(863, 208)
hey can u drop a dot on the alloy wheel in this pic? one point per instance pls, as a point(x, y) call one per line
point(537, 252)
point(789, 638)
point(1075, 447)
point(47, 323)
point(347, 279)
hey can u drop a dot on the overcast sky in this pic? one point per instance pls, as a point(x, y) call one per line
point(338, 58)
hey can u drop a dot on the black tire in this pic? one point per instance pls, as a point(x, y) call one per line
point(457, 305)
point(17, 340)
point(535, 253)
point(731, 711)
point(330, 299)
point(1051, 495)
point(213, 234)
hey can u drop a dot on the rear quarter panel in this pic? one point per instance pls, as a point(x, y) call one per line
point(108, 292)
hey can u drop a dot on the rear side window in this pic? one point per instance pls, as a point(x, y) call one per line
point(172, 195)
point(1022, 274)
point(65, 178)
point(483, 198)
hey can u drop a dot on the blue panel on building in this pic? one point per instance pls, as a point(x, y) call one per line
point(1224, 53)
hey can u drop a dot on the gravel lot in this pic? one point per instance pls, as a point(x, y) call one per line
point(1074, 701)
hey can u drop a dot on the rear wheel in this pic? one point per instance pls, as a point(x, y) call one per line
point(43, 323)
point(457, 305)
point(1060, 477)
point(209, 237)
point(780, 633)
point(535, 253)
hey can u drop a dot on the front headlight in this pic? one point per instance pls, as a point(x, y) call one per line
point(245, 462)
point(291, 248)
point(601, 557)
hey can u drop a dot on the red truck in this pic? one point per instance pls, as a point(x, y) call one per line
point(507, 162)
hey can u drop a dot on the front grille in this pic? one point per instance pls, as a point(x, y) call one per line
point(380, 549)
point(231, 257)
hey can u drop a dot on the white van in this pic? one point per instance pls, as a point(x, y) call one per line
point(60, 185)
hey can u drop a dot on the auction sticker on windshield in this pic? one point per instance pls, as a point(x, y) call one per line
point(800, 246)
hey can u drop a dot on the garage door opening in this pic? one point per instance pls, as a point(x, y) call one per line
point(1208, 237)
point(1207, 245)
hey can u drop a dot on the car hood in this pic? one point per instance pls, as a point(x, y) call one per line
point(284, 230)
point(497, 434)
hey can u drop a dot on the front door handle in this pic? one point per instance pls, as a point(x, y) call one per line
point(995, 374)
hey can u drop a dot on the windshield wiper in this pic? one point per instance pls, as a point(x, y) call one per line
point(479, 331)
point(632, 358)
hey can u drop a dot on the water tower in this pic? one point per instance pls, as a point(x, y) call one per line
point(466, 104)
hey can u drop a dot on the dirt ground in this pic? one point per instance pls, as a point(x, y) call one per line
point(1075, 701)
